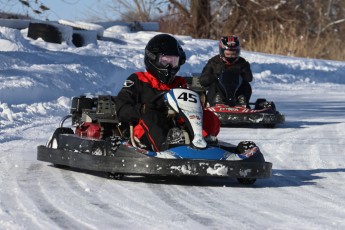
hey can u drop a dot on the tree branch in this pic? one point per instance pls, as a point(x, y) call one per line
point(181, 8)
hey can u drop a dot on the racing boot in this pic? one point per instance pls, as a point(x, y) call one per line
point(219, 99)
point(212, 140)
point(241, 101)
point(138, 143)
point(175, 137)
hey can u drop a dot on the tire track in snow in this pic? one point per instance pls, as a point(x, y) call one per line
point(14, 207)
point(121, 207)
point(312, 161)
point(212, 200)
point(169, 194)
point(193, 197)
point(297, 190)
point(59, 217)
point(218, 202)
point(88, 194)
point(297, 185)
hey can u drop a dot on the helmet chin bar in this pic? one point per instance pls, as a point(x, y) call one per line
point(166, 75)
point(231, 59)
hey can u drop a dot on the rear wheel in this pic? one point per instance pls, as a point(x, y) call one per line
point(262, 103)
point(270, 126)
point(246, 181)
point(259, 102)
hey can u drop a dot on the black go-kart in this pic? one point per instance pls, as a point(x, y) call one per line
point(100, 143)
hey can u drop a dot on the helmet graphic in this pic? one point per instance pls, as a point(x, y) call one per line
point(231, 43)
point(163, 57)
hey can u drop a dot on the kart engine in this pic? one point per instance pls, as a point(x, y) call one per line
point(94, 117)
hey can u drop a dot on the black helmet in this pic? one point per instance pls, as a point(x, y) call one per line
point(229, 43)
point(163, 57)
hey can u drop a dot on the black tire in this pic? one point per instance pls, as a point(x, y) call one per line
point(47, 32)
point(269, 126)
point(264, 104)
point(246, 181)
point(259, 102)
point(245, 145)
point(272, 106)
point(77, 40)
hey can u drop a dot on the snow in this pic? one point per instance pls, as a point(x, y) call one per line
point(84, 25)
point(38, 79)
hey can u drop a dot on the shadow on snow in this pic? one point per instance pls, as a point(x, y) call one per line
point(280, 178)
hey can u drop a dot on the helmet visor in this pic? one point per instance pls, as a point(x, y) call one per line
point(166, 60)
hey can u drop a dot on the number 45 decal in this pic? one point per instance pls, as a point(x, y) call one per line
point(188, 97)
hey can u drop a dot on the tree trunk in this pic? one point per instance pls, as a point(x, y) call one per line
point(200, 18)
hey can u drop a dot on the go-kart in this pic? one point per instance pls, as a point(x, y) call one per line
point(260, 112)
point(98, 143)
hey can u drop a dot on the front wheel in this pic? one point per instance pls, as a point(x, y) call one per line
point(244, 146)
point(246, 181)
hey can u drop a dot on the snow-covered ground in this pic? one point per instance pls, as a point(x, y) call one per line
point(38, 79)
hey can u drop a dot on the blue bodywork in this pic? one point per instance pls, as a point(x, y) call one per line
point(188, 152)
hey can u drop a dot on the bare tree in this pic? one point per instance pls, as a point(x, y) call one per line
point(200, 18)
point(295, 27)
point(129, 10)
point(191, 17)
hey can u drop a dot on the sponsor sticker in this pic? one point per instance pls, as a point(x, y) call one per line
point(128, 83)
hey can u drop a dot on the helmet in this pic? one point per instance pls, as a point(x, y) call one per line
point(231, 43)
point(163, 57)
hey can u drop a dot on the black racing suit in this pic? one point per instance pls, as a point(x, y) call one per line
point(229, 80)
point(134, 104)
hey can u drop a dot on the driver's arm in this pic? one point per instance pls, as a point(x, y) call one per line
point(127, 101)
point(246, 72)
point(208, 75)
